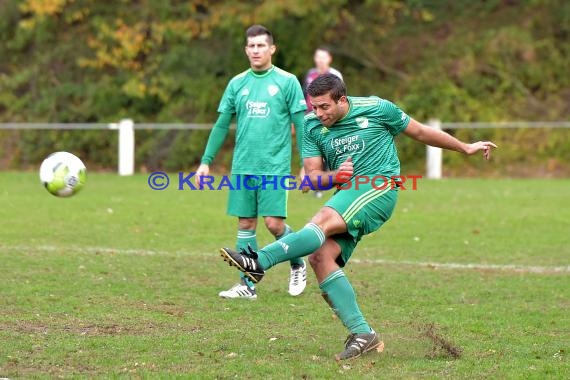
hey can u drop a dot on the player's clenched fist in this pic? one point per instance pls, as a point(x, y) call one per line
point(344, 171)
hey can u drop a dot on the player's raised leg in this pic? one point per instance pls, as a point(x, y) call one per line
point(298, 244)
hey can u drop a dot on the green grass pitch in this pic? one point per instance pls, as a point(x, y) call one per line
point(122, 281)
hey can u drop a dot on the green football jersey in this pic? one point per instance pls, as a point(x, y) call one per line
point(263, 105)
point(366, 133)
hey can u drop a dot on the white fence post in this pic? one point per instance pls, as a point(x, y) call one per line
point(433, 155)
point(126, 147)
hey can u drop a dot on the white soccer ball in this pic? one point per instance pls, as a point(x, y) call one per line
point(63, 174)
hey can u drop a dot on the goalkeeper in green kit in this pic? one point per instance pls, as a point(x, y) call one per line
point(355, 136)
point(265, 100)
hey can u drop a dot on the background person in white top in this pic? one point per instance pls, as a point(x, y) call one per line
point(323, 59)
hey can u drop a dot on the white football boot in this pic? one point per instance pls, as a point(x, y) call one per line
point(239, 291)
point(298, 279)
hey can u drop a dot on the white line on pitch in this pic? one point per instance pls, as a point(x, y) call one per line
point(89, 250)
point(433, 265)
point(470, 266)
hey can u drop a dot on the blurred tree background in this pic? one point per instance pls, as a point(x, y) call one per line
point(169, 61)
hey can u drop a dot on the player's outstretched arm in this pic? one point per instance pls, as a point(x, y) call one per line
point(441, 139)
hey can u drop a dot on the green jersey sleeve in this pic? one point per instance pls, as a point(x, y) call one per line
point(309, 145)
point(393, 117)
point(298, 122)
point(227, 104)
point(217, 137)
point(294, 96)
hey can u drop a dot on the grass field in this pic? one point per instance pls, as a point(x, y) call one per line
point(122, 281)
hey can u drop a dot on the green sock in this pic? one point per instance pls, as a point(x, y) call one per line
point(340, 295)
point(288, 230)
point(294, 245)
point(245, 237)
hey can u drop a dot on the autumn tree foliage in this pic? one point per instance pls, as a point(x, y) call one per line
point(168, 61)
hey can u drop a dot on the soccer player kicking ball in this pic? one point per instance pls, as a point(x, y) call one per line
point(265, 100)
point(355, 136)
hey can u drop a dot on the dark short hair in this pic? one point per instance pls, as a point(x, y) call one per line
point(327, 84)
point(325, 49)
point(259, 30)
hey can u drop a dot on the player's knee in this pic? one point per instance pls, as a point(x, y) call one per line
point(247, 223)
point(275, 226)
point(315, 260)
point(330, 221)
point(320, 257)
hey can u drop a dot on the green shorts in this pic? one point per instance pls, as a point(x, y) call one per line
point(364, 209)
point(252, 196)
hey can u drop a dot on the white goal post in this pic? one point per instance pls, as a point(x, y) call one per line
point(126, 158)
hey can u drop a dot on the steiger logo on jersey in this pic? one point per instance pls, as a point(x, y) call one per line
point(349, 144)
point(257, 109)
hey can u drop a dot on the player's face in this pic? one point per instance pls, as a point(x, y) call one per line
point(259, 52)
point(323, 61)
point(329, 111)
